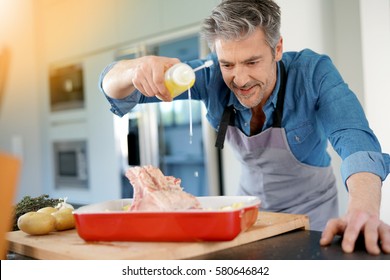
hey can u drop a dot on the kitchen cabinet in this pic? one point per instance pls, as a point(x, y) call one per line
point(93, 124)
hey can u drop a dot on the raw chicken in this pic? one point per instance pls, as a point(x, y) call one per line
point(153, 191)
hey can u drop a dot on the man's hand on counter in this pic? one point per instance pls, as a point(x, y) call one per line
point(376, 233)
point(362, 217)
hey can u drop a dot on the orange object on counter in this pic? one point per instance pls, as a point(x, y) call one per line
point(9, 175)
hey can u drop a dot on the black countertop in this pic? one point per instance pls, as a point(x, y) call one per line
point(295, 245)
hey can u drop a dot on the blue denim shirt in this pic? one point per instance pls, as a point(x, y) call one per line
point(318, 107)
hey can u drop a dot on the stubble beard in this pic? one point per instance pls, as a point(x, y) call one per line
point(251, 100)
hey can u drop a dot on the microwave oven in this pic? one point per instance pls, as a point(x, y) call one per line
point(71, 164)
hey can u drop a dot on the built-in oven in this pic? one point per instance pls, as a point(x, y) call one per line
point(71, 164)
point(66, 88)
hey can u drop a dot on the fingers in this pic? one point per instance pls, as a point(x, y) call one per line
point(376, 233)
point(355, 225)
point(148, 76)
point(384, 236)
point(371, 235)
point(146, 82)
point(333, 228)
point(144, 86)
point(158, 82)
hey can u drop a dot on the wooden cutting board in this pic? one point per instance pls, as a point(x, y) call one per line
point(68, 245)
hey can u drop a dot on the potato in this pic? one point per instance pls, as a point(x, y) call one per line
point(36, 223)
point(64, 219)
point(47, 210)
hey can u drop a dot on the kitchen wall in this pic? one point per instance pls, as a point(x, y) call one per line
point(45, 32)
point(20, 116)
point(375, 26)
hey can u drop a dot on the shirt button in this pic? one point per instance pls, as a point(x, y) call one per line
point(246, 124)
point(297, 138)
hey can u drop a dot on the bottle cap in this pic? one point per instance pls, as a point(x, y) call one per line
point(183, 74)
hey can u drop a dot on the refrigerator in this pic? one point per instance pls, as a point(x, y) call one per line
point(158, 134)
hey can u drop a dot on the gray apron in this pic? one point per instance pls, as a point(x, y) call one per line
point(270, 171)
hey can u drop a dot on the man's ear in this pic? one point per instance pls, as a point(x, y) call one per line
point(279, 49)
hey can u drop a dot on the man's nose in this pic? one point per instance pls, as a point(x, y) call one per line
point(240, 78)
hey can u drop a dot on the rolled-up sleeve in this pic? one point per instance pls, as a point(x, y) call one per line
point(373, 162)
point(119, 107)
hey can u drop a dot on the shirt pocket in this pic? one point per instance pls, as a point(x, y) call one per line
point(299, 134)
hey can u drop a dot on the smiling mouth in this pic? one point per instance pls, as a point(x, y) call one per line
point(245, 91)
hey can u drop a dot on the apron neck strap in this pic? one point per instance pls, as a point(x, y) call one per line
point(229, 112)
point(227, 119)
point(278, 113)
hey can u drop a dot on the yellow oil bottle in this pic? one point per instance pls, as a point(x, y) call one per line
point(179, 78)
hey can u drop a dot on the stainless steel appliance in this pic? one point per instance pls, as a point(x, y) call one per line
point(71, 168)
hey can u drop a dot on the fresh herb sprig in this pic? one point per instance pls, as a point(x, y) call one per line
point(28, 204)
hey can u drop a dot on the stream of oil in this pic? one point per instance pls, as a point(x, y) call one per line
point(190, 112)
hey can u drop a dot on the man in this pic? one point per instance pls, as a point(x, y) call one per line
point(277, 110)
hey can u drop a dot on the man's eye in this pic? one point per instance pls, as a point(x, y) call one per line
point(252, 62)
point(227, 66)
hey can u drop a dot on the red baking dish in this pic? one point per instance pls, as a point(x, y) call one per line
point(221, 218)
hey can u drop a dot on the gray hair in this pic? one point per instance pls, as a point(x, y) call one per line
point(237, 19)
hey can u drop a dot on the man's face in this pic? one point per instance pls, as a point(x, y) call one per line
point(248, 67)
